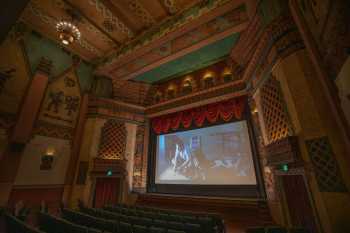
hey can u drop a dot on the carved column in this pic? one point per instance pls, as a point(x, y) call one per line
point(32, 102)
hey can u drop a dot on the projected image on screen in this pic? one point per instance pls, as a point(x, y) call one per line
point(217, 155)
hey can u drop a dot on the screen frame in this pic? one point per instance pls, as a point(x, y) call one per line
point(238, 191)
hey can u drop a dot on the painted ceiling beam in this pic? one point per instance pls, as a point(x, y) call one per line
point(105, 33)
point(188, 50)
point(116, 12)
point(120, 61)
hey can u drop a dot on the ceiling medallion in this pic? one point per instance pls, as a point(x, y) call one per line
point(68, 32)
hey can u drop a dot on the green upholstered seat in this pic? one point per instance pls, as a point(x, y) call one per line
point(124, 227)
point(276, 230)
point(176, 226)
point(160, 223)
point(146, 222)
point(157, 230)
point(175, 231)
point(255, 230)
point(298, 230)
point(192, 228)
point(140, 229)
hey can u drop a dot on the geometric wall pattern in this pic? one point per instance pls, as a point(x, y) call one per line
point(277, 123)
point(138, 173)
point(326, 167)
point(113, 140)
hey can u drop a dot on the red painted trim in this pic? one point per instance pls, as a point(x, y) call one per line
point(33, 196)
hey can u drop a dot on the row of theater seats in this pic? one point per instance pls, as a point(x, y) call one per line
point(52, 224)
point(187, 216)
point(114, 226)
point(209, 223)
point(274, 229)
point(14, 225)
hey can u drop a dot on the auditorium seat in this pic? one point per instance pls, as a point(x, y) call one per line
point(160, 223)
point(190, 219)
point(164, 217)
point(146, 221)
point(140, 229)
point(14, 225)
point(157, 230)
point(133, 220)
point(176, 226)
point(255, 230)
point(298, 230)
point(174, 231)
point(192, 228)
point(93, 230)
point(124, 227)
point(52, 224)
point(88, 220)
point(176, 217)
point(276, 230)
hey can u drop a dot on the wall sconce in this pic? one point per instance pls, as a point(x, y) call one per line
point(255, 110)
point(47, 159)
point(50, 151)
point(208, 74)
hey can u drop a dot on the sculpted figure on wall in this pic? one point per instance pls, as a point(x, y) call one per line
point(56, 99)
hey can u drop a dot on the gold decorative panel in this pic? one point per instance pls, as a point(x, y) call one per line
point(277, 124)
point(113, 140)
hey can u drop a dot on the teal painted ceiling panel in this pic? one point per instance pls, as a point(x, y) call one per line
point(38, 47)
point(198, 59)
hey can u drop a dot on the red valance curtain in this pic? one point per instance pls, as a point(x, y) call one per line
point(224, 110)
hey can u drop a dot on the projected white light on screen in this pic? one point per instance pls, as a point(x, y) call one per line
point(216, 155)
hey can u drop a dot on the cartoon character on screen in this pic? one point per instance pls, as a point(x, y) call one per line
point(186, 163)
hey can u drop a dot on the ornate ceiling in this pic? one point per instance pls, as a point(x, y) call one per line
point(126, 38)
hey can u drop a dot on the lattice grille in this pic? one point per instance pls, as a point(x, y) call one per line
point(326, 167)
point(277, 124)
point(113, 140)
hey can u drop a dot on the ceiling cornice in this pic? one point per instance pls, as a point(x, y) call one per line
point(175, 26)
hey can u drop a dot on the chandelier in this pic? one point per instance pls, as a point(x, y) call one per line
point(68, 32)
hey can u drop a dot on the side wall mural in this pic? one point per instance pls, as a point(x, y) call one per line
point(43, 161)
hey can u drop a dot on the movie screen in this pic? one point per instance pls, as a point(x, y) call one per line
point(216, 155)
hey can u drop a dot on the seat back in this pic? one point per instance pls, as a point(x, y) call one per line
point(255, 230)
point(176, 226)
point(157, 230)
point(140, 229)
point(298, 230)
point(192, 228)
point(174, 231)
point(124, 227)
point(276, 230)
